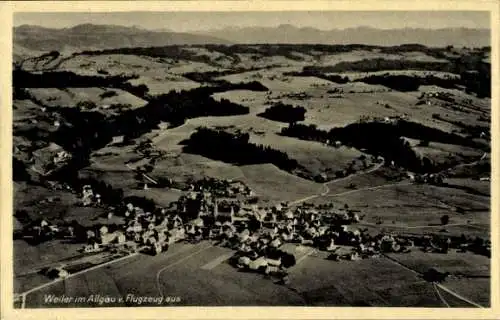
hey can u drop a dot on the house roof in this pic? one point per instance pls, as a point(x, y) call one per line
point(51, 148)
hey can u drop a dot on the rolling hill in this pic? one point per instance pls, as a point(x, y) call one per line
point(95, 37)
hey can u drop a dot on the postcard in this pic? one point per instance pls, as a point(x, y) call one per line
point(248, 159)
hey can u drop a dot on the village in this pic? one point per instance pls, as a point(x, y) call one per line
point(227, 214)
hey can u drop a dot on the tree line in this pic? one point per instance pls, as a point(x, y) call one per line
point(68, 79)
point(409, 83)
point(379, 64)
point(318, 74)
point(384, 139)
point(474, 73)
point(236, 148)
point(284, 113)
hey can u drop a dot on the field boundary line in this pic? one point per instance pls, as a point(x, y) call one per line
point(327, 188)
point(25, 294)
point(174, 264)
point(440, 296)
point(182, 250)
point(456, 295)
point(217, 261)
point(369, 189)
point(143, 174)
point(453, 293)
point(375, 168)
point(304, 257)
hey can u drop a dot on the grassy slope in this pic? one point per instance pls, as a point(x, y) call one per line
point(70, 97)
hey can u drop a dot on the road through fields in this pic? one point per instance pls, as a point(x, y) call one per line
point(326, 189)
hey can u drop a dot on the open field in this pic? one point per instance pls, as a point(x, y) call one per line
point(149, 276)
point(360, 283)
point(70, 97)
point(40, 202)
point(475, 289)
point(196, 264)
point(29, 259)
point(416, 205)
point(457, 264)
point(314, 156)
point(358, 55)
point(274, 184)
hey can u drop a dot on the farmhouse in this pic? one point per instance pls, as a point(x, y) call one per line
point(49, 158)
point(223, 213)
point(117, 140)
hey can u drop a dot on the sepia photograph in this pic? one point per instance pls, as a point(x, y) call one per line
point(292, 158)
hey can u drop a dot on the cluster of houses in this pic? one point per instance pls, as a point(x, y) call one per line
point(296, 95)
point(430, 178)
point(89, 198)
point(255, 232)
point(49, 158)
point(221, 187)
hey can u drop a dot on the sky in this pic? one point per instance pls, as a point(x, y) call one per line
point(204, 21)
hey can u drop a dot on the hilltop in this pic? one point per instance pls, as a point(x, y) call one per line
point(91, 36)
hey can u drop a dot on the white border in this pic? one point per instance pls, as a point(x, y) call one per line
point(7, 10)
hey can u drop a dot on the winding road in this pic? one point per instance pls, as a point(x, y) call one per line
point(327, 189)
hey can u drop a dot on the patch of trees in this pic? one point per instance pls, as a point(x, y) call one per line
point(20, 93)
point(474, 131)
point(236, 148)
point(262, 49)
point(437, 53)
point(82, 130)
point(64, 79)
point(67, 79)
point(395, 82)
point(19, 170)
point(475, 74)
point(176, 107)
point(379, 64)
point(477, 82)
point(92, 130)
point(141, 202)
point(285, 50)
point(108, 94)
point(382, 139)
point(409, 83)
point(227, 86)
point(174, 52)
point(314, 73)
point(284, 113)
point(445, 219)
point(209, 76)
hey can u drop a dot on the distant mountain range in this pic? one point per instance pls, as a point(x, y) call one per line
point(94, 37)
point(362, 35)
